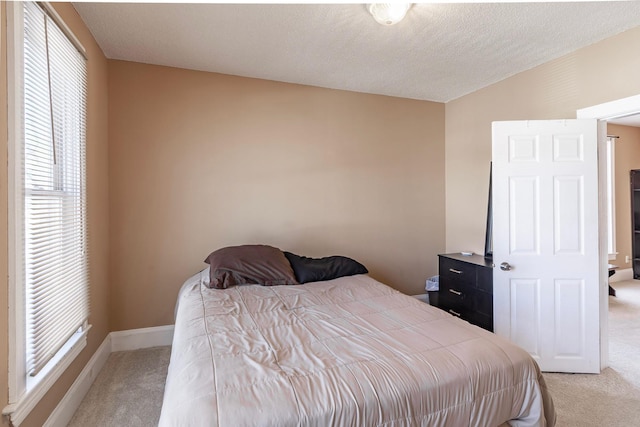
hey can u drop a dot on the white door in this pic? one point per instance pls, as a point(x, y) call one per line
point(549, 270)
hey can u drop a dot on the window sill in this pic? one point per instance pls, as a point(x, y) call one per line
point(38, 386)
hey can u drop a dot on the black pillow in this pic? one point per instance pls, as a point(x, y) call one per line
point(317, 269)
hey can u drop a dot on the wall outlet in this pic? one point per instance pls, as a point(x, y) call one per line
point(626, 259)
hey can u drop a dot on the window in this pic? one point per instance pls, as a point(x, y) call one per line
point(611, 197)
point(49, 265)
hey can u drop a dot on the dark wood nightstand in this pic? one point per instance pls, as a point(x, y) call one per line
point(466, 288)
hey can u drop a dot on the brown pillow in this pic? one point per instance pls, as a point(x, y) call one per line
point(249, 264)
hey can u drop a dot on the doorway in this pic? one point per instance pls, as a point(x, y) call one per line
point(624, 141)
point(626, 110)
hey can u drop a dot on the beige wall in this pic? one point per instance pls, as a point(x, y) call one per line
point(602, 72)
point(627, 157)
point(199, 161)
point(97, 211)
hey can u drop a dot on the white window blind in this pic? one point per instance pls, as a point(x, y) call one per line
point(53, 176)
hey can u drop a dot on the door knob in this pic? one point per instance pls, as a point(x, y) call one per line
point(505, 266)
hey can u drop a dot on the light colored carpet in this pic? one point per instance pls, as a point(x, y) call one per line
point(127, 392)
point(129, 389)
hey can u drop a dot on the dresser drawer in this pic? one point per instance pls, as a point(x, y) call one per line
point(452, 298)
point(458, 311)
point(473, 317)
point(453, 294)
point(457, 271)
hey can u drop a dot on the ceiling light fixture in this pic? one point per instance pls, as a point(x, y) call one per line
point(388, 13)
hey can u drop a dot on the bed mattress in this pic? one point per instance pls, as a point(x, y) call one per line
point(345, 352)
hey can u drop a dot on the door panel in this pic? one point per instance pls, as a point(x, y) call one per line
point(523, 215)
point(570, 304)
point(568, 214)
point(525, 315)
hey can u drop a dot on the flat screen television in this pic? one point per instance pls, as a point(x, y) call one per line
point(488, 236)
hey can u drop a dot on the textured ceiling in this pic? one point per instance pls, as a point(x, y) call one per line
point(441, 51)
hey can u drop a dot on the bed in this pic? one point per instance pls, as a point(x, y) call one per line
point(348, 351)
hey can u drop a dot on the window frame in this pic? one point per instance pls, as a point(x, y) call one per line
point(611, 197)
point(25, 391)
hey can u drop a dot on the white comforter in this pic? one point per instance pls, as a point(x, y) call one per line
point(346, 352)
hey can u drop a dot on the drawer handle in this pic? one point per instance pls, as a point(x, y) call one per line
point(455, 313)
point(453, 291)
point(453, 270)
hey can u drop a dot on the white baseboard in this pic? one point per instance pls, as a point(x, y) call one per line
point(132, 339)
point(63, 413)
point(620, 275)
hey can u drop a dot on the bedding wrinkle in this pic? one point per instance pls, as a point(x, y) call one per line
point(211, 354)
point(329, 323)
point(275, 358)
point(345, 352)
point(358, 401)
